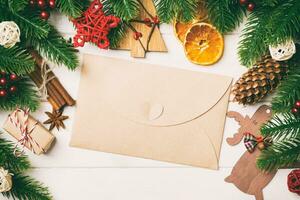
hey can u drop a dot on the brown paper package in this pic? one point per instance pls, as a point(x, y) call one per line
point(40, 134)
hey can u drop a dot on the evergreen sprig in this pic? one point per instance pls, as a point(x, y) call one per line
point(125, 9)
point(15, 60)
point(285, 149)
point(72, 8)
point(288, 92)
point(168, 10)
point(226, 15)
point(26, 188)
point(17, 5)
point(9, 161)
point(56, 49)
point(25, 96)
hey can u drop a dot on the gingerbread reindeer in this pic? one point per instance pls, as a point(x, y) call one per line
point(245, 175)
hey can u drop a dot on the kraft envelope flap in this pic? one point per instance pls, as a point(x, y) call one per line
point(133, 102)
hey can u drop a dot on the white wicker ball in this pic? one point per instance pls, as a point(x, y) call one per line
point(5, 180)
point(9, 34)
point(283, 51)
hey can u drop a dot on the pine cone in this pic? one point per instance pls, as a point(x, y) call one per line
point(259, 81)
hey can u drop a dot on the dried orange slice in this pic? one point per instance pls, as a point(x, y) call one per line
point(180, 29)
point(203, 44)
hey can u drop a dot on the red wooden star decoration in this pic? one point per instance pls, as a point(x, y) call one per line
point(94, 26)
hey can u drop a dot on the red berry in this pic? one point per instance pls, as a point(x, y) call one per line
point(13, 77)
point(243, 2)
point(297, 104)
point(51, 4)
point(251, 7)
point(44, 15)
point(156, 20)
point(295, 110)
point(148, 22)
point(2, 81)
point(137, 35)
point(3, 93)
point(41, 4)
point(13, 89)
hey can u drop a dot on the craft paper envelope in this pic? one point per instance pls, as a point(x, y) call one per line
point(151, 111)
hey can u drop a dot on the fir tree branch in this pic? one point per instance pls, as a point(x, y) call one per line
point(253, 40)
point(9, 161)
point(26, 188)
point(31, 25)
point(282, 126)
point(15, 60)
point(266, 2)
point(288, 92)
point(184, 10)
point(280, 154)
point(72, 8)
point(125, 9)
point(24, 97)
point(57, 50)
point(17, 5)
point(285, 23)
point(116, 34)
point(226, 15)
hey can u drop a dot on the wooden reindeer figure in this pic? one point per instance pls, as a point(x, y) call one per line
point(245, 175)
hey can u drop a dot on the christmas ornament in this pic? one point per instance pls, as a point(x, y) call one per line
point(6, 81)
point(45, 15)
point(297, 104)
point(9, 34)
point(94, 26)
point(51, 4)
point(180, 28)
point(251, 142)
point(245, 175)
point(283, 51)
point(259, 81)
point(41, 4)
point(2, 81)
point(293, 181)
point(150, 39)
point(3, 93)
point(13, 77)
point(251, 6)
point(203, 44)
point(13, 89)
point(56, 119)
point(5, 180)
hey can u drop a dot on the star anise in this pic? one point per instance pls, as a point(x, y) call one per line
point(55, 119)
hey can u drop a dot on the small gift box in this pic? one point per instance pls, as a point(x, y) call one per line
point(28, 131)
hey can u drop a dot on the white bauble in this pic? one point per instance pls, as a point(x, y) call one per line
point(5, 180)
point(9, 34)
point(283, 51)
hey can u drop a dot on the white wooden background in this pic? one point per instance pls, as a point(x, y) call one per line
point(76, 174)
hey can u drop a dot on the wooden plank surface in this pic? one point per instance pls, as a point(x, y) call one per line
point(76, 174)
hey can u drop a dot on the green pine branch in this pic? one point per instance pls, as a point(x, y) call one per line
point(266, 2)
point(31, 25)
point(168, 10)
point(25, 96)
point(253, 40)
point(72, 8)
point(56, 49)
point(288, 92)
point(285, 23)
point(17, 5)
point(15, 60)
point(226, 15)
point(125, 9)
point(285, 150)
point(9, 161)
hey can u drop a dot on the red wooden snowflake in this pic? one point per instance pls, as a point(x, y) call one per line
point(94, 26)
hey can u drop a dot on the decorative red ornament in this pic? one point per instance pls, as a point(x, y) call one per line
point(45, 15)
point(297, 104)
point(3, 93)
point(294, 110)
point(94, 26)
point(3, 81)
point(51, 4)
point(41, 4)
point(243, 2)
point(32, 3)
point(251, 7)
point(13, 89)
point(293, 181)
point(13, 77)
point(137, 35)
